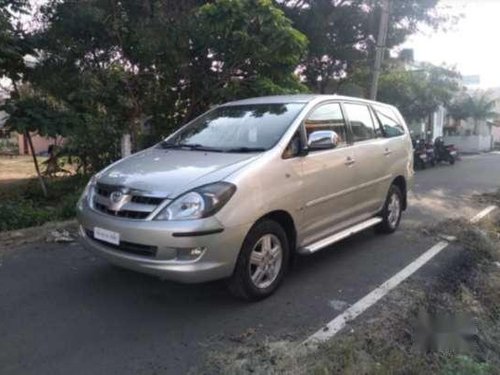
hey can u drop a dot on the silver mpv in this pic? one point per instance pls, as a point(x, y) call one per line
point(239, 191)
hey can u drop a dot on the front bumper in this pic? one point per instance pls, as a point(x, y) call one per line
point(217, 261)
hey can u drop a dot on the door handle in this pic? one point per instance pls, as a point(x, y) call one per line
point(349, 161)
point(387, 152)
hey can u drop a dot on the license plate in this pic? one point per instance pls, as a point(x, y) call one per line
point(423, 157)
point(107, 236)
point(453, 153)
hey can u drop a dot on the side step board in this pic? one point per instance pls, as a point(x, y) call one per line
point(340, 236)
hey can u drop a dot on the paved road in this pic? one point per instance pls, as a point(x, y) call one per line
point(63, 311)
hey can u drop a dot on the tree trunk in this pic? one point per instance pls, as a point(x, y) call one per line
point(476, 126)
point(126, 146)
point(32, 149)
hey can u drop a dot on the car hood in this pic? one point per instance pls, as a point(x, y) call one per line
point(170, 172)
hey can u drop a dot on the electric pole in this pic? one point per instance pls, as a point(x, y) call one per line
point(380, 47)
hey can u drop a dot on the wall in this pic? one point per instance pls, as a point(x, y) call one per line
point(471, 143)
point(495, 131)
point(40, 144)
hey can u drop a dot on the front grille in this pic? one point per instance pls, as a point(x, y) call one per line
point(138, 206)
point(122, 213)
point(127, 247)
point(146, 200)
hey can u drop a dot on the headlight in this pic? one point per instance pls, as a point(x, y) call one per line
point(87, 192)
point(198, 203)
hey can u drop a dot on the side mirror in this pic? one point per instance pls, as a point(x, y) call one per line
point(322, 139)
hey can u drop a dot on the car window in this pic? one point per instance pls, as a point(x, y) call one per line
point(294, 146)
point(237, 128)
point(389, 121)
point(361, 121)
point(327, 117)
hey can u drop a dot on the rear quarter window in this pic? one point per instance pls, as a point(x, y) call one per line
point(390, 121)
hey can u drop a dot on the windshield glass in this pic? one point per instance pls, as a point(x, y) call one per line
point(239, 128)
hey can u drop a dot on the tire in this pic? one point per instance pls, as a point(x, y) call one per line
point(263, 236)
point(451, 159)
point(418, 164)
point(389, 222)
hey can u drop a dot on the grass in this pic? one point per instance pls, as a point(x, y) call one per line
point(22, 203)
point(448, 326)
point(17, 170)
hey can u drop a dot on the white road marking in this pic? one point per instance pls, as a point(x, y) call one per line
point(340, 321)
point(482, 214)
point(333, 327)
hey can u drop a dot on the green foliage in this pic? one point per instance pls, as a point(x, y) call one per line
point(251, 49)
point(114, 64)
point(26, 207)
point(418, 93)
point(479, 106)
point(13, 42)
point(465, 365)
point(104, 66)
point(34, 112)
point(342, 34)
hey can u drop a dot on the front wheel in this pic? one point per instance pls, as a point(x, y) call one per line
point(262, 262)
point(392, 211)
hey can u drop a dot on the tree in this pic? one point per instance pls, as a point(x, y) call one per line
point(342, 33)
point(13, 42)
point(30, 111)
point(418, 93)
point(163, 60)
point(481, 107)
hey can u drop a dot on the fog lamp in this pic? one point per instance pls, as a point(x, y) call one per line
point(190, 254)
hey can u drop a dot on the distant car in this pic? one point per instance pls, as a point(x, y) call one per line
point(237, 192)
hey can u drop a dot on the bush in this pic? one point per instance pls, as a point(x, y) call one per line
point(27, 206)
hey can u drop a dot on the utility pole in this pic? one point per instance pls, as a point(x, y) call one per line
point(380, 47)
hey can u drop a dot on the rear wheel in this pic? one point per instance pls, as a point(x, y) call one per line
point(451, 159)
point(392, 211)
point(262, 262)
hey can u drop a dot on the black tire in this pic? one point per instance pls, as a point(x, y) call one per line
point(240, 284)
point(388, 225)
point(451, 159)
point(418, 164)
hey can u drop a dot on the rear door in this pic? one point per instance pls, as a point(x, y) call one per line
point(372, 151)
point(328, 175)
point(398, 149)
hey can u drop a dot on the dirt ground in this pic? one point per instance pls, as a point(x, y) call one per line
point(17, 170)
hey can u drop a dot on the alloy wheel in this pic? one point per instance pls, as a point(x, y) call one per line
point(266, 261)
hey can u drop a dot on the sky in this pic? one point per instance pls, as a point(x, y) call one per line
point(472, 45)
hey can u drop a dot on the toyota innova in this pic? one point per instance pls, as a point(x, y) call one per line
point(239, 191)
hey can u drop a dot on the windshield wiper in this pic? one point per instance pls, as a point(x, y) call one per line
point(190, 146)
point(245, 149)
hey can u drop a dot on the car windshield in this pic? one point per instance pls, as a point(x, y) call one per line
point(236, 128)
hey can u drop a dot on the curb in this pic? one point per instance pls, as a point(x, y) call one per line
point(34, 234)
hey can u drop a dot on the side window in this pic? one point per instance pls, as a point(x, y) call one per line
point(361, 121)
point(327, 117)
point(293, 147)
point(389, 121)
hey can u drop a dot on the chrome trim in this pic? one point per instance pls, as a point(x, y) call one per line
point(340, 235)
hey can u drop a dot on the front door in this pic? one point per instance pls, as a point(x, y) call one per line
point(328, 176)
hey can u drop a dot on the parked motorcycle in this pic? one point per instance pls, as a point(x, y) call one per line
point(443, 152)
point(431, 154)
point(419, 154)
